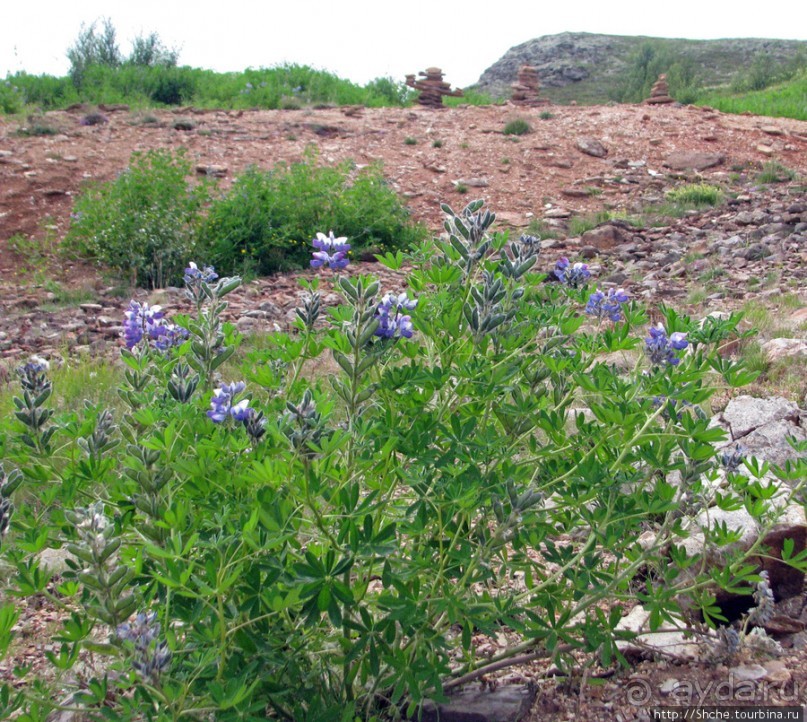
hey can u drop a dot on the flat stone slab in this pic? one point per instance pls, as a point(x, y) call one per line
point(694, 160)
point(508, 703)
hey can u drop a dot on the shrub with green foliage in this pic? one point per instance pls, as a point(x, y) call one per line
point(646, 64)
point(11, 99)
point(252, 543)
point(518, 126)
point(266, 221)
point(145, 222)
point(696, 195)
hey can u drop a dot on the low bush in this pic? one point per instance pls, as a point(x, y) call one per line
point(696, 195)
point(475, 466)
point(11, 99)
point(144, 223)
point(519, 126)
point(267, 220)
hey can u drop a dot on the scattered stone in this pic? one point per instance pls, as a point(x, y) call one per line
point(674, 643)
point(771, 130)
point(183, 124)
point(216, 171)
point(432, 88)
point(776, 672)
point(592, 147)
point(779, 348)
point(749, 672)
point(660, 92)
point(765, 149)
point(472, 182)
point(557, 213)
point(745, 414)
point(508, 703)
point(692, 160)
point(606, 237)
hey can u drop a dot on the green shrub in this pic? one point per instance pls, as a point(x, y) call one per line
point(144, 223)
point(475, 466)
point(696, 194)
point(268, 218)
point(775, 172)
point(11, 99)
point(409, 140)
point(519, 126)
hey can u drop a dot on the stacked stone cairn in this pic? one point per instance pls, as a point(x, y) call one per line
point(432, 88)
point(525, 89)
point(660, 92)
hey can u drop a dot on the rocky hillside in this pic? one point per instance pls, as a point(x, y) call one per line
point(588, 68)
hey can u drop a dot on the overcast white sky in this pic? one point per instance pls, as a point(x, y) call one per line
point(364, 39)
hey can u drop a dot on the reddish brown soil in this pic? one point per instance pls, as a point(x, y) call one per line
point(518, 176)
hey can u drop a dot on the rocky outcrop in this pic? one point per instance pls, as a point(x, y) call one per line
point(591, 63)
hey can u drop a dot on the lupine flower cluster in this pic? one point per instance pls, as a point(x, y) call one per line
point(573, 275)
point(142, 321)
point(151, 657)
point(33, 376)
point(222, 407)
point(331, 252)
point(732, 460)
point(193, 274)
point(607, 305)
point(661, 349)
point(392, 322)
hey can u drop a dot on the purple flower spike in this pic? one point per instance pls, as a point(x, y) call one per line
point(330, 244)
point(241, 411)
point(336, 262)
point(607, 305)
point(660, 349)
point(571, 275)
point(193, 274)
point(331, 252)
point(392, 322)
point(221, 404)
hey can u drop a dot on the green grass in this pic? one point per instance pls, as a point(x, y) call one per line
point(77, 379)
point(696, 195)
point(785, 100)
point(518, 126)
point(775, 172)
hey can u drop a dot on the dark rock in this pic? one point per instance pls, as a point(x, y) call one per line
point(756, 252)
point(509, 703)
point(606, 237)
point(692, 160)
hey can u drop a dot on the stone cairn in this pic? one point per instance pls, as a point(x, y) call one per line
point(525, 89)
point(432, 88)
point(660, 92)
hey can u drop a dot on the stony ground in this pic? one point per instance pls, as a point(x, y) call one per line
point(748, 252)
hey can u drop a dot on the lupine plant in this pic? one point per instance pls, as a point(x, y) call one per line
point(264, 542)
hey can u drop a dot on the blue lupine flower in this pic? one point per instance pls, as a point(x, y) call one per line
point(241, 411)
point(661, 349)
point(144, 321)
point(571, 275)
point(193, 274)
point(391, 321)
point(221, 404)
point(608, 305)
point(331, 251)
